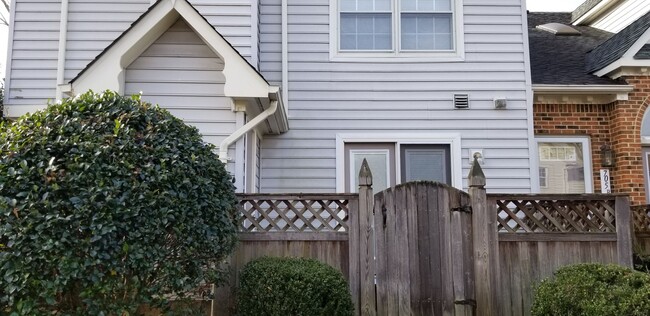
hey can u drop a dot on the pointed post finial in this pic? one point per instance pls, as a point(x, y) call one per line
point(476, 175)
point(365, 175)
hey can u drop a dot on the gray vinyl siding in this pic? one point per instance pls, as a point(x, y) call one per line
point(182, 74)
point(95, 24)
point(92, 26)
point(33, 63)
point(327, 98)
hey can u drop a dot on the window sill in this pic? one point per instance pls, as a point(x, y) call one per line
point(381, 57)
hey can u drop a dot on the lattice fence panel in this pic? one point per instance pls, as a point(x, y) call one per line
point(293, 215)
point(536, 216)
point(641, 216)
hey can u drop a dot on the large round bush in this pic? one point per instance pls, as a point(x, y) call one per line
point(108, 203)
point(292, 286)
point(594, 290)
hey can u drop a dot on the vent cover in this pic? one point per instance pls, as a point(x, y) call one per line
point(559, 29)
point(461, 101)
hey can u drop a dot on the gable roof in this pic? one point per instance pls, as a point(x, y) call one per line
point(616, 46)
point(106, 70)
point(644, 52)
point(560, 60)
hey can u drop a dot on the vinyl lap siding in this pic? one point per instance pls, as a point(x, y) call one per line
point(181, 73)
point(33, 61)
point(95, 24)
point(623, 15)
point(326, 98)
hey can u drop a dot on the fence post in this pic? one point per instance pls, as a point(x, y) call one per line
point(486, 248)
point(366, 242)
point(624, 226)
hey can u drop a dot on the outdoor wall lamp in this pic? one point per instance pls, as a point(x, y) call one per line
point(607, 156)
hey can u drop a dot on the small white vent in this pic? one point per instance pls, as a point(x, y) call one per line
point(461, 101)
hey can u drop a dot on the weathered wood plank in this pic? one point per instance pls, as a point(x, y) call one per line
point(380, 245)
point(427, 258)
point(366, 237)
point(435, 269)
point(557, 237)
point(354, 254)
point(294, 236)
point(446, 265)
point(412, 214)
point(624, 231)
point(402, 250)
point(392, 290)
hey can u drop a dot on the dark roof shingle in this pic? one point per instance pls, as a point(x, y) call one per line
point(616, 46)
point(644, 52)
point(560, 60)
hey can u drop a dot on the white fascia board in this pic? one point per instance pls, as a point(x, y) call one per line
point(107, 72)
point(594, 12)
point(242, 80)
point(582, 89)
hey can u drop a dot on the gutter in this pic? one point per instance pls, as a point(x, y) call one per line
point(63, 39)
point(274, 104)
point(582, 89)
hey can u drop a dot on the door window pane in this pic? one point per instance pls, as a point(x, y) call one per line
point(378, 161)
point(426, 163)
point(564, 167)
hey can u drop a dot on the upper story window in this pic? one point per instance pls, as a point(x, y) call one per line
point(396, 28)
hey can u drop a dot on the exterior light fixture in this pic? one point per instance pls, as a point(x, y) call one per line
point(607, 156)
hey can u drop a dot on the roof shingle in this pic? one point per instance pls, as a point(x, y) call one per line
point(560, 60)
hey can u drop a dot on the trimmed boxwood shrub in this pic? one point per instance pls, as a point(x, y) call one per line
point(108, 203)
point(594, 290)
point(292, 286)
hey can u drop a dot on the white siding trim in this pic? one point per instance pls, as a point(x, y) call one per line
point(285, 52)
point(240, 155)
point(534, 163)
point(586, 156)
point(63, 42)
point(255, 31)
point(451, 139)
point(8, 64)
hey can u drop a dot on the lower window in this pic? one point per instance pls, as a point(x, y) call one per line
point(430, 162)
point(564, 165)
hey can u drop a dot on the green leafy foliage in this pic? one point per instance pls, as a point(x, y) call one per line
point(292, 286)
point(594, 290)
point(108, 203)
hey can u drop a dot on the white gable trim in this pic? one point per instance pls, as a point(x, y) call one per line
point(613, 69)
point(107, 72)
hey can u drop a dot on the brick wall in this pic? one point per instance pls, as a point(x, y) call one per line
point(617, 124)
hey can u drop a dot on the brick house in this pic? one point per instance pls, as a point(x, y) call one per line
point(591, 85)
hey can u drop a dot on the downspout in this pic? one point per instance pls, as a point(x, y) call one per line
point(63, 39)
point(223, 148)
point(285, 53)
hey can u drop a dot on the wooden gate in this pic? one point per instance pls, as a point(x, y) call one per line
point(415, 252)
point(424, 255)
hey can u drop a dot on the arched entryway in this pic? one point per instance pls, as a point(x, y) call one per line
point(645, 143)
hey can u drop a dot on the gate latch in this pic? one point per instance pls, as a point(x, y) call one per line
point(463, 209)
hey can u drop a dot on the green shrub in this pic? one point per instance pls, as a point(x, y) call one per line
point(594, 290)
point(292, 286)
point(107, 203)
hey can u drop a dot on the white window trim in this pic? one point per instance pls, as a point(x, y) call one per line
point(451, 139)
point(458, 54)
point(586, 155)
point(353, 177)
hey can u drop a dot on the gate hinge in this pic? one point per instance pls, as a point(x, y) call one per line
point(466, 302)
point(463, 209)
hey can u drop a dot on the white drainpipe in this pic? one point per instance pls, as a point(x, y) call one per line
point(285, 53)
point(63, 39)
point(223, 148)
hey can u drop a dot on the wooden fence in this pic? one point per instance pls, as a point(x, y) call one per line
point(540, 233)
point(386, 249)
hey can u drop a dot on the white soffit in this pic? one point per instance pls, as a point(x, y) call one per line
point(107, 70)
